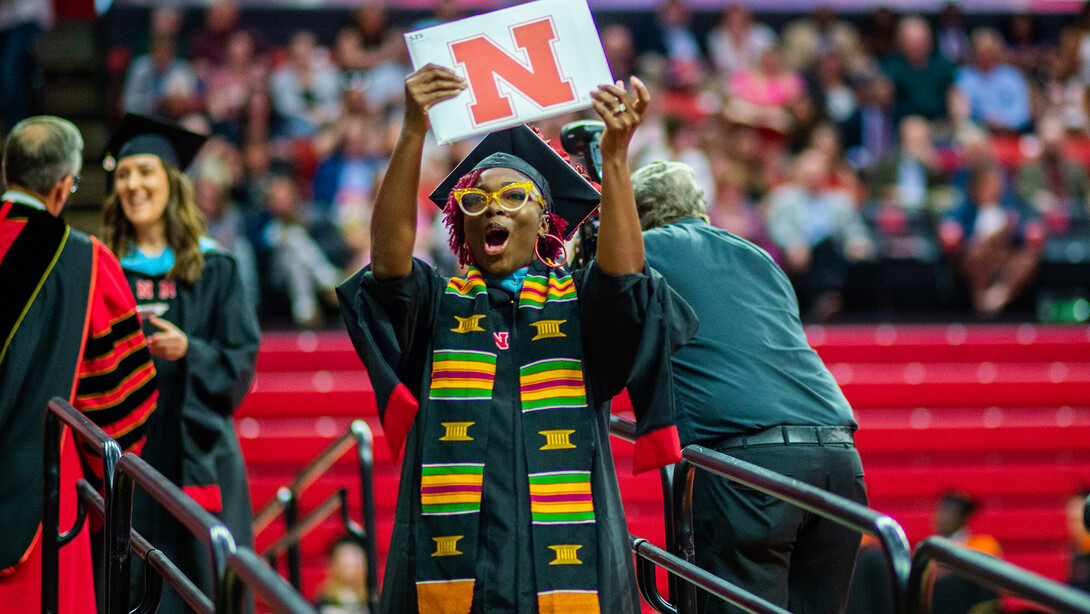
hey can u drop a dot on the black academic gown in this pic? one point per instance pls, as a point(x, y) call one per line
point(191, 438)
point(630, 325)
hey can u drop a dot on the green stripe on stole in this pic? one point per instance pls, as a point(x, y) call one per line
point(559, 431)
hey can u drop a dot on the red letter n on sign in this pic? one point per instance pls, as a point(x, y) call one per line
point(484, 62)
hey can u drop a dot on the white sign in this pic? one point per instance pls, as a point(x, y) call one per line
point(522, 64)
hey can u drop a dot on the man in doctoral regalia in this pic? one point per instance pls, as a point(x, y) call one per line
point(69, 329)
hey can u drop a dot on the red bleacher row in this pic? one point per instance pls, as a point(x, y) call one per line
point(1000, 411)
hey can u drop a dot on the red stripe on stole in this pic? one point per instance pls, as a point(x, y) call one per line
point(441, 374)
point(553, 383)
point(561, 498)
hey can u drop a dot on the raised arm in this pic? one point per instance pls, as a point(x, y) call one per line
point(393, 223)
point(620, 243)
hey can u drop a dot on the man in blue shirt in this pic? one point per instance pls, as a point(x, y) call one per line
point(998, 93)
point(749, 385)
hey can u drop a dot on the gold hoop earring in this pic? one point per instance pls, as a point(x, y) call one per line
point(561, 259)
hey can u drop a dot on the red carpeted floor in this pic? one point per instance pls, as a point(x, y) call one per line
point(1002, 412)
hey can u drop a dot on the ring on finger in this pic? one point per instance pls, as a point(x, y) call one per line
point(620, 109)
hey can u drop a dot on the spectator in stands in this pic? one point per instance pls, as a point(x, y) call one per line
point(224, 221)
point(749, 385)
point(348, 177)
point(763, 95)
point(953, 41)
point(204, 344)
point(379, 49)
point(675, 39)
point(870, 133)
point(805, 40)
point(620, 50)
point(1063, 89)
point(306, 91)
point(160, 83)
point(920, 75)
point(499, 204)
point(231, 86)
point(830, 87)
point(21, 24)
point(998, 93)
point(997, 242)
point(881, 33)
point(952, 594)
point(818, 230)
point(1078, 571)
point(70, 330)
point(736, 42)
point(296, 266)
point(910, 178)
point(1055, 185)
point(1025, 50)
point(208, 46)
point(344, 590)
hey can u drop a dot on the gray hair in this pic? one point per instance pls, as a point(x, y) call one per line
point(667, 192)
point(40, 152)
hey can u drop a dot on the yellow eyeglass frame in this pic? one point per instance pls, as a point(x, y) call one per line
point(528, 186)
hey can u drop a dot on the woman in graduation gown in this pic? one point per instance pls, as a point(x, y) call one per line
point(202, 333)
point(497, 383)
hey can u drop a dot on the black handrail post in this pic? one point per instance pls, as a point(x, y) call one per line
point(294, 556)
point(365, 446)
point(51, 521)
point(682, 504)
point(898, 561)
point(117, 531)
point(666, 477)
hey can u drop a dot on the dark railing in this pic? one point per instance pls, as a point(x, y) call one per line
point(678, 503)
point(59, 414)
point(810, 498)
point(286, 504)
point(988, 572)
point(234, 569)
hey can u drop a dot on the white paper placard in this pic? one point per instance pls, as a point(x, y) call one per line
point(522, 64)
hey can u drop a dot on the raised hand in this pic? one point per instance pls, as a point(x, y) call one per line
point(425, 87)
point(621, 114)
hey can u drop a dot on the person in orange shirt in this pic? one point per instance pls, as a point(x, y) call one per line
point(952, 594)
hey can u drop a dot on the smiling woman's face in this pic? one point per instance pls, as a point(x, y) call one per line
point(500, 241)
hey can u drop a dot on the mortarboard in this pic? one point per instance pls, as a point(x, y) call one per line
point(566, 192)
point(139, 134)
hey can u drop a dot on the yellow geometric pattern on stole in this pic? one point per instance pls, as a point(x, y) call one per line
point(472, 324)
point(568, 602)
point(457, 431)
point(447, 545)
point(566, 554)
point(547, 329)
point(445, 597)
point(557, 440)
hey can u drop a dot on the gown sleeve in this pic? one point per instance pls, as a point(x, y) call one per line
point(117, 387)
point(631, 325)
point(221, 367)
point(389, 322)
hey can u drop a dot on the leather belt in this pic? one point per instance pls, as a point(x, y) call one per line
point(786, 435)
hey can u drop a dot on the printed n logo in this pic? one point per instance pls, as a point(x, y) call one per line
point(485, 62)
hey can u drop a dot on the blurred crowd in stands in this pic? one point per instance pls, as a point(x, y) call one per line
point(832, 145)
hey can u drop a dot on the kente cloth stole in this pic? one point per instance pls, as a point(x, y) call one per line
point(558, 433)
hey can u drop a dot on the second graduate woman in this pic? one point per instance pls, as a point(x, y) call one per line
point(202, 332)
point(497, 383)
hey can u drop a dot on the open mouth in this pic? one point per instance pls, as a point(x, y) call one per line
point(495, 239)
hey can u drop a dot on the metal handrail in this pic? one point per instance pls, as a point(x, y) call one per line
point(130, 471)
point(286, 503)
point(655, 556)
point(335, 501)
point(59, 414)
point(815, 500)
point(165, 569)
point(991, 573)
point(245, 568)
point(810, 498)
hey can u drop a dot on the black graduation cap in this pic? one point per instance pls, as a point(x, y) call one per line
point(139, 134)
point(566, 192)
